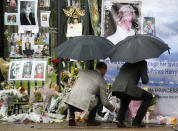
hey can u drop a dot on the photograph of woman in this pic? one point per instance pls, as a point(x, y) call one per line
point(121, 20)
point(14, 71)
point(27, 13)
point(11, 19)
point(27, 70)
point(28, 50)
point(12, 3)
point(39, 71)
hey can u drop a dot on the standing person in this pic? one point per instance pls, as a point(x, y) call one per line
point(87, 93)
point(26, 16)
point(125, 87)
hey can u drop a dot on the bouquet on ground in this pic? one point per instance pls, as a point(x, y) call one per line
point(8, 96)
point(35, 96)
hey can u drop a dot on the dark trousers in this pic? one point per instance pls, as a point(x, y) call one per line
point(146, 98)
point(92, 114)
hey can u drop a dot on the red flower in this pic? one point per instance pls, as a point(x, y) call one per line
point(55, 61)
point(0, 105)
point(22, 89)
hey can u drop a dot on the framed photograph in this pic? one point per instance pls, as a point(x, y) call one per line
point(11, 19)
point(27, 45)
point(15, 70)
point(27, 11)
point(120, 18)
point(45, 16)
point(39, 70)
point(149, 26)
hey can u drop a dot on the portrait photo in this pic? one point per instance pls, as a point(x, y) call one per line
point(15, 70)
point(45, 16)
point(27, 70)
point(11, 19)
point(28, 45)
point(120, 18)
point(12, 3)
point(27, 11)
point(39, 70)
point(149, 26)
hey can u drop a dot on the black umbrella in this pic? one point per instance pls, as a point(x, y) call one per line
point(138, 47)
point(85, 48)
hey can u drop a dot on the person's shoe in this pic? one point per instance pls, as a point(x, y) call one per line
point(139, 125)
point(93, 123)
point(120, 124)
point(72, 122)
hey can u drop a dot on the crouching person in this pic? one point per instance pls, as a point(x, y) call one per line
point(89, 85)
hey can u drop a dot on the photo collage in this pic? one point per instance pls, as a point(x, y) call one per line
point(36, 45)
point(27, 70)
point(30, 39)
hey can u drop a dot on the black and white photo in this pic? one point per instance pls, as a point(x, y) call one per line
point(15, 70)
point(27, 10)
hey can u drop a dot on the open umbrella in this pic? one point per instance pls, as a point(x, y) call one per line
point(138, 47)
point(85, 48)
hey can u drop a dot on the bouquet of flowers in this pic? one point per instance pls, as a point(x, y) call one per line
point(35, 95)
point(73, 77)
point(8, 97)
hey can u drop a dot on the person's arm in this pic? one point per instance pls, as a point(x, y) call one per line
point(143, 72)
point(104, 97)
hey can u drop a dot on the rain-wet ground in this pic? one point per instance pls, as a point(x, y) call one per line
point(80, 127)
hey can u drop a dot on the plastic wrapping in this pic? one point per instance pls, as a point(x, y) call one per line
point(35, 117)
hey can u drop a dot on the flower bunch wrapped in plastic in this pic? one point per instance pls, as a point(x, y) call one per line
point(8, 97)
point(35, 96)
point(73, 77)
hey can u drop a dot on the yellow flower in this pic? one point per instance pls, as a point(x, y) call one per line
point(75, 77)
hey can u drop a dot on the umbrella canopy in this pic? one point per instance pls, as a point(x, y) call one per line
point(137, 48)
point(85, 48)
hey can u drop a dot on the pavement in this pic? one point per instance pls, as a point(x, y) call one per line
point(80, 127)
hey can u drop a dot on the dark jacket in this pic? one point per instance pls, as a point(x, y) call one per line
point(128, 78)
point(24, 20)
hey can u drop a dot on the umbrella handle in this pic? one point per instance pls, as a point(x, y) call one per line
point(168, 51)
